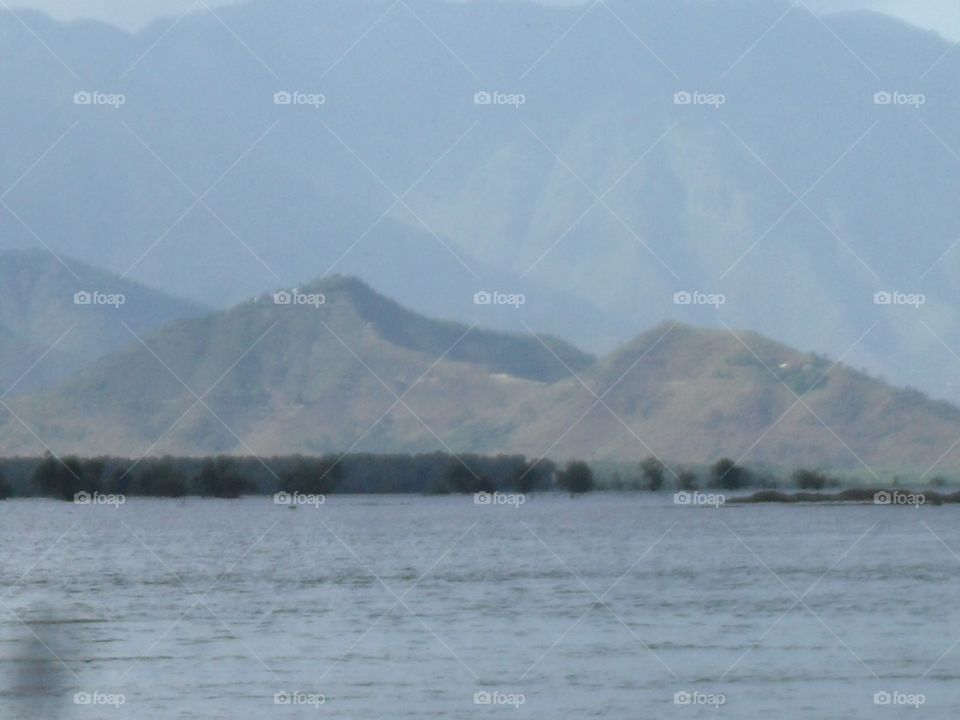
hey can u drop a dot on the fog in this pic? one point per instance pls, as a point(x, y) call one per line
point(943, 16)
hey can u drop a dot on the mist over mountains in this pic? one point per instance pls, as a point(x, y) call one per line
point(713, 168)
point(58, 318)
point(798, 198)
point(939, 15)
point(316, 314)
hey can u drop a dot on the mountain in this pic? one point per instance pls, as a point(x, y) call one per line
point(45, 335)
point(798, 197)
point(341, 367)
point(311, 376)
point(697, 394)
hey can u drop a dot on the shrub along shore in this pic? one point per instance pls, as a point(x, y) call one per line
point(875, 496)
point(231, 477)
point(426, 473)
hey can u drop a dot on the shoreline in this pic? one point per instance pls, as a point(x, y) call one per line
point(873, 496)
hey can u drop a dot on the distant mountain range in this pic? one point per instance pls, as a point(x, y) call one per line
point(798, 197)
point(57, 317)
point(335, 366)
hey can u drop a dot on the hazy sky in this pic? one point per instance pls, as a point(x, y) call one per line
point(940, 15)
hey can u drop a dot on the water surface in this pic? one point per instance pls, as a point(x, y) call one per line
point(606, 606)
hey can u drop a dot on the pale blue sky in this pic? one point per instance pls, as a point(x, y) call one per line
point(940, 15)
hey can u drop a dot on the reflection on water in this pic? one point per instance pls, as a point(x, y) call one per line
point(36, 667)
point(614, 606)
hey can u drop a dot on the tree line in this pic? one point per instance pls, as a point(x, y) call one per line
point(232, 477)
point(361, 473)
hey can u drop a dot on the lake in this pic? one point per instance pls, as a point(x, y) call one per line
point(608, 606)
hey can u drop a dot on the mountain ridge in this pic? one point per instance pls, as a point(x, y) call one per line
point(50, 335)
point(504, 198)
point(271, 378)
